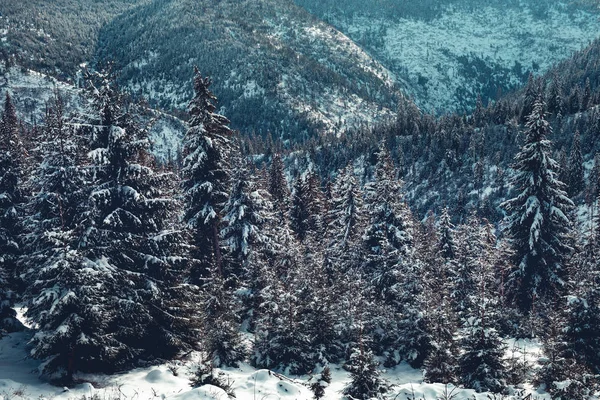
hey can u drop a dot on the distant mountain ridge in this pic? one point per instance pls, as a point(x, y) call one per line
point(279, 69)
point(275, 68)
point(446, 53)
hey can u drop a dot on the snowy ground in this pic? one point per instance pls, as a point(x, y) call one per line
point(443, 62)
point(18, 380)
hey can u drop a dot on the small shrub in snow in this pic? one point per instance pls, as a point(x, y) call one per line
point(366, 381)
point(320, 382)
point(206, 375)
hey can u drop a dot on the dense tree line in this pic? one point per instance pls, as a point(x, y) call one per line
point(121, 262)
point(426, 10)
point(464, 161)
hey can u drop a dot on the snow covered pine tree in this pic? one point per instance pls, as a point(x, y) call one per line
point(206, 184)
point(11, 210)
point(105, 295)
point(537, 223)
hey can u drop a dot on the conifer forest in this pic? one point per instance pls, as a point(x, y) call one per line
point(299, 199)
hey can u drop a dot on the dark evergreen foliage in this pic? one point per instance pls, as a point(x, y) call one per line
point(307, 206)
point(206, 176)
point(245, 217)
point(575, 168)
point(11, 213)
point(283, 342)
point(481, 364)
point(388, 239)
point(320, 382)
point(345, 227)
point(340, 270)
point(205, 374)
point(538, 224)
point(105, 286)
point(278, 187)
point(366, 381)
point(220, 325)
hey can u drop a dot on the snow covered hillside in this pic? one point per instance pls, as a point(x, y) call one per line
point(18, 381)
point(275, 68)
point(445, 62)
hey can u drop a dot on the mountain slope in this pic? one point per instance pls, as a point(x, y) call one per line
point(447, 53)
point(275, 67)
point(55, 36)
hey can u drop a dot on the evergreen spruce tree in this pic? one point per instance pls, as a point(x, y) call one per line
point(469, 252)
point(307, 206)
point(346, 225)
point(413, 305)
point(319, 382)
point(388, 239)
point(555, 99)
point(388, 255)
point(366, 382)
point(282, 339)
point(531, 95)
point(297, 324)
point(130, 234)
point(60, 187)
point(294, 326)
point(107, 296)
point(577, 338)
point(586, 95)
point(52, 264)
point(555, 373)
point(220, 323)
point(246, 236)
point(245, 215)
point(538, 224)
point(299, 212)
point(563, 167)
point(206, 176)
point(442, 324)
point(481, 362)
point(361, 318)
point(447, 247)
point(206, 184)
point(592, 190)
point(11, 213)
point(277, 184)
point(441, 348)
point(321, 316)
point(206, 374)
point(574, 100)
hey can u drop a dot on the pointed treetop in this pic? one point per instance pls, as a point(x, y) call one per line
point(446, 232)
point(202, 105)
